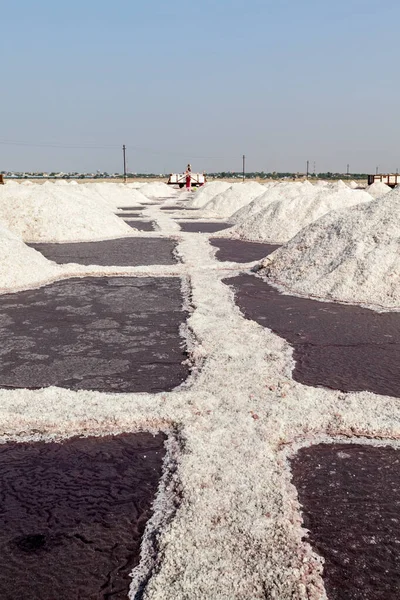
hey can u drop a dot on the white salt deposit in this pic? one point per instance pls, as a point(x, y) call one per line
point(207, 192)
point(50, 212)
point(116, 194)
point(21, 265)
point(231, 200)
point(274, 192)
point(378, 189)
point(157, 189)
point(237, 533)
point(282, 219)
point(353, 185)
point(351, 255)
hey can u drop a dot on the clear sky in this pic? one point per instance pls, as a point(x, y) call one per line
point(204, 81)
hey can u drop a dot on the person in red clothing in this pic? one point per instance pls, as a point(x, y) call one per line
point(188, 175)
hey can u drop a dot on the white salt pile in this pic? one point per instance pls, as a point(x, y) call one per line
point(353, 185)
point(157, 189)
point(116, 194)
point(55, 213)
point(207, 192)
point(351, 255)
point(229, 201)
point(282, 219)
point(20, 265)
point(275, 191)
point(378, 189)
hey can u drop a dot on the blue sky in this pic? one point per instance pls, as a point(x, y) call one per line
point(205, 82)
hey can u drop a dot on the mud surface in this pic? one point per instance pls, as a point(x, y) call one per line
point(346, 348)
point(241, 251)
point(72, 515)
point(123, 252)
point(135, 208)
point(112, 334)
point(350, 496)
point(141, 225)
point(176, 208)
point(201, 227)
point(129, 214)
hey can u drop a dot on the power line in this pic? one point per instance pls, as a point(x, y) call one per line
point(91, 146)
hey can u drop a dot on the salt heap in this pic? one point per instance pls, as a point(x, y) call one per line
point(378, 189)
point(207, 192)
point(157, 189)
point(275, 191)
point(281, 220)
point(55, 213)
point(116, 194)
point(351, 255)
point(229, 201)
point(21, 266)
point(353, 185)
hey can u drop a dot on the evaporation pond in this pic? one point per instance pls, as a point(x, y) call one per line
point(350, 497)
point(202, 226)
point(342, 347)
point(240, 250)
point(122, 252)
point(73, 514)
point(111, 334)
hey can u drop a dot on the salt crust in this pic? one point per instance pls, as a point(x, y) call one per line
point(237, 534)
point(281, 219)
point(228, 202)
point(350, 255)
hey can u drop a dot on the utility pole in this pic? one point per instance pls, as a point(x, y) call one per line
point(314, 168)
point(308, 168)
point(377, 170)
point(244, 167)
point(348, 170)
point(124, 155)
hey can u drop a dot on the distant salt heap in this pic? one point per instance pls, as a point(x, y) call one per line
point(378, 189)
point(232, 199)
point(274, 191)
point(207, 192)
point(56, 213)
point(351, 255)
point(282, 219)
point(157, 189)
point(116, 194)
point(21, 266)
point(353, 185)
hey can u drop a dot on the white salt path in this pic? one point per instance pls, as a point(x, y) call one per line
point(237, 532)
point(350, 255)
point(282, 219)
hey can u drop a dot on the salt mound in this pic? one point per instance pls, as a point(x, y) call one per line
point(157, 189)
point(20, 265)
point(275, 191)
point(207, 192)
point(55, 213)
point(228, 202)
point(282, 219)
point(378, 189)
point(116, 194)
point(351, 255)
point(353, 185)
